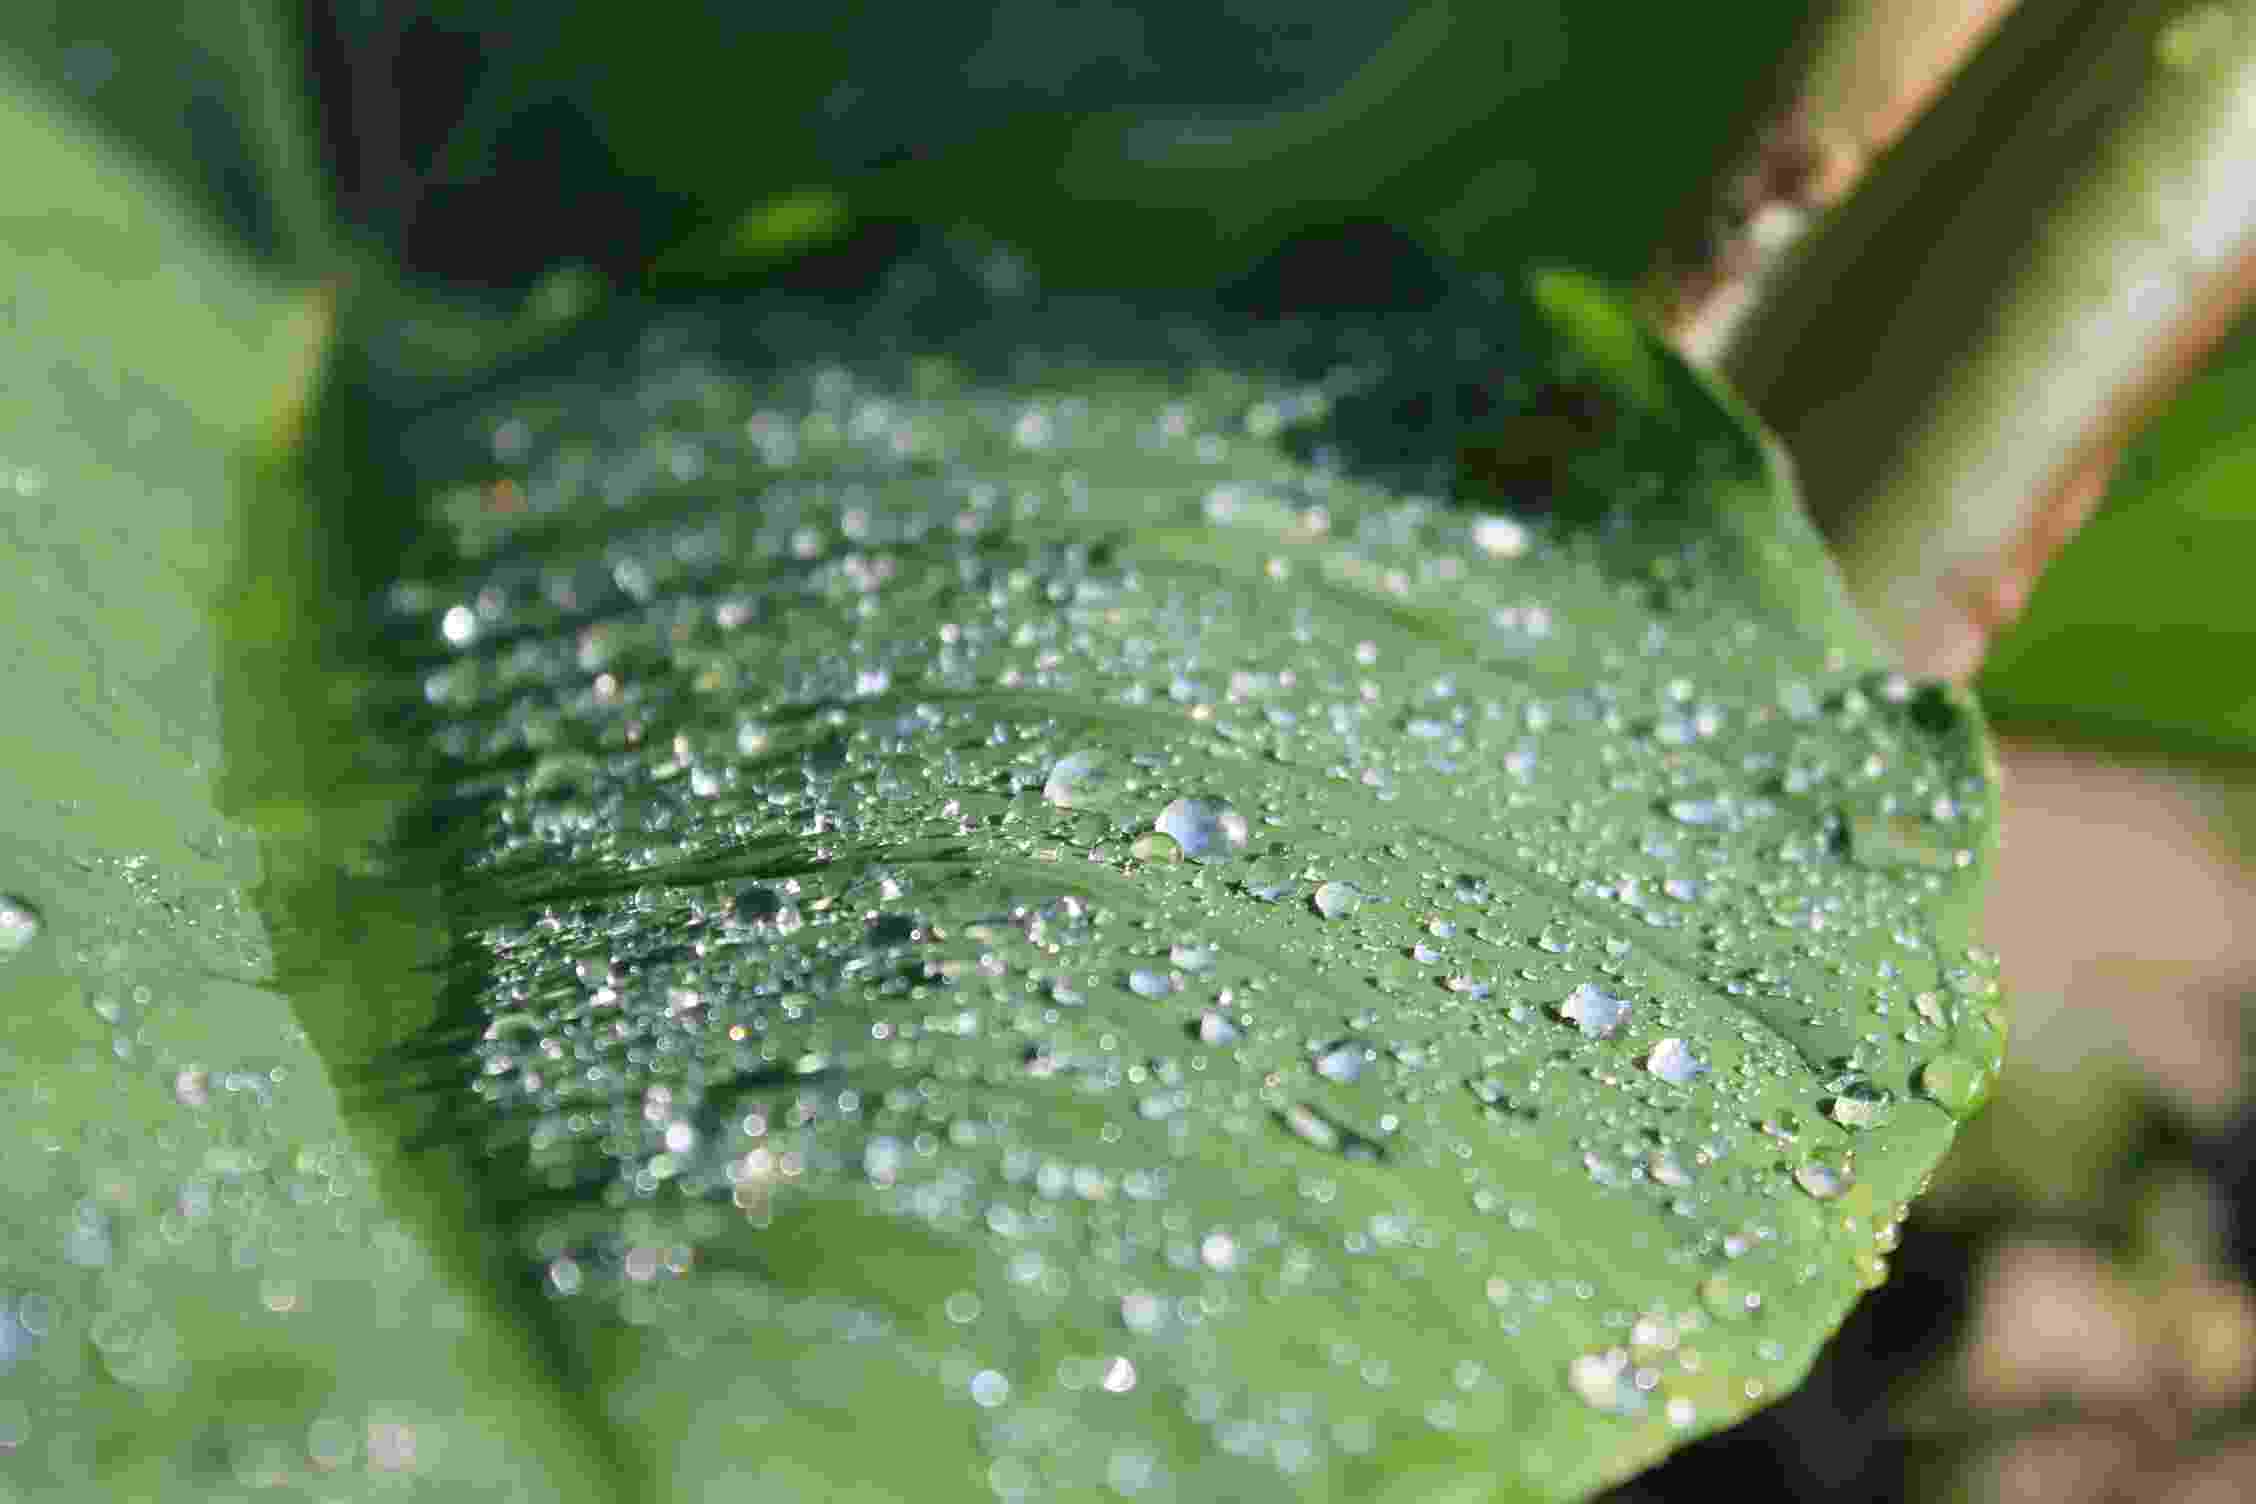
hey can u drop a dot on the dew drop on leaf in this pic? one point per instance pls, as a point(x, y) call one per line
point(1954, 1083)
point(1206, 830)
point(1859, 1105)
point(1672, 1060)
point(1214, 1028)
point(1078, 780)
point(19, 925)
point(1826, 1175)
point(1597, 1014)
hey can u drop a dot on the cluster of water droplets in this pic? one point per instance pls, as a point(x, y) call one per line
point(1207, 893)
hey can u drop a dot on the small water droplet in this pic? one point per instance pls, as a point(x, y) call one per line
point(1827, 1174)
point(1672, 1060)
point(1605, 1382)
point(1312, 1127)
point(1342, 1061)
point(1155, 847)
point(1192, 958)
point(1859, 1104)
point(1207, 830)
point(1499, 537)
point(1954, 1083)
point(19, 925)
point(1597, 1013)
point(1214, 1028)
point(1079, 780)
point(1145, 982)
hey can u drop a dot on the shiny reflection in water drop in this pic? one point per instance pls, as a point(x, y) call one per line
point(1207, 830)
point(1597, 1014)
point(1079, 778)
point(19, 925)
point(1672, 1060)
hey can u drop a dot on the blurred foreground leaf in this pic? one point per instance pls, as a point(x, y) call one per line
point(209, 93)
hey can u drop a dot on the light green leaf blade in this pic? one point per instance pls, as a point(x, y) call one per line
point(208, 93)
point(2136, 634)
point(1029, 915)
point(199, 1294)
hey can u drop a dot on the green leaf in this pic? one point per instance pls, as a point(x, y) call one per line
point(2134, 633)
point(198, 1293)
point(210, 93)
point(1150, 145)
point(1032, 914)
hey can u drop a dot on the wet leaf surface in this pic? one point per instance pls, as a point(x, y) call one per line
point(1041, 897)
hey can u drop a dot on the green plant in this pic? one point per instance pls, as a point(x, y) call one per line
point(867, 885)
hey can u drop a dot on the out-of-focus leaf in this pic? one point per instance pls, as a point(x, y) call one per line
point(1021, 911)
point(198, 1294)
point(1120, 145)
point(2142, 630)
point(209, 92)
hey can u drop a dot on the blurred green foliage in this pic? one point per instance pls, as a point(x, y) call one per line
point(2143, 632)
point(1118, 145)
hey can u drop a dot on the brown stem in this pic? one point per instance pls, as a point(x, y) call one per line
point(1866, 70)
point(1959, 349)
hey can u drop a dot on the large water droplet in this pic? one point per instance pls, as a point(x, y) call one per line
point(1605, 1381)
point(19, 925)
point(1672, 1060)
point(1955, 1084)
point(1336, 900)
point(1146, 982)
point(1312, 1127)
point(1342, 1060)
point(1213, 1027)
point(1827, 1174)
point(1859, 1104)
point(1207, 830)
point(1597, 1013)
point(1079, 780)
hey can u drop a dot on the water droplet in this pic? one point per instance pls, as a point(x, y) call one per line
point(1312, 1127)
point(19, 925)
point(1595, 1012)
point(989, 1389)
point(1828, 1173)
point(1207, 830)
point(1336, 900)
point(1192, 958)
point(1155, 847)
point(1214, 1028)
point(1859, 1104)
point(1672, 1060)
point(1079, 780)
point(1145, 982)
point(1954, 1083)
point(1342, 1061)
point(1606, 1382)
point(1499, 537)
